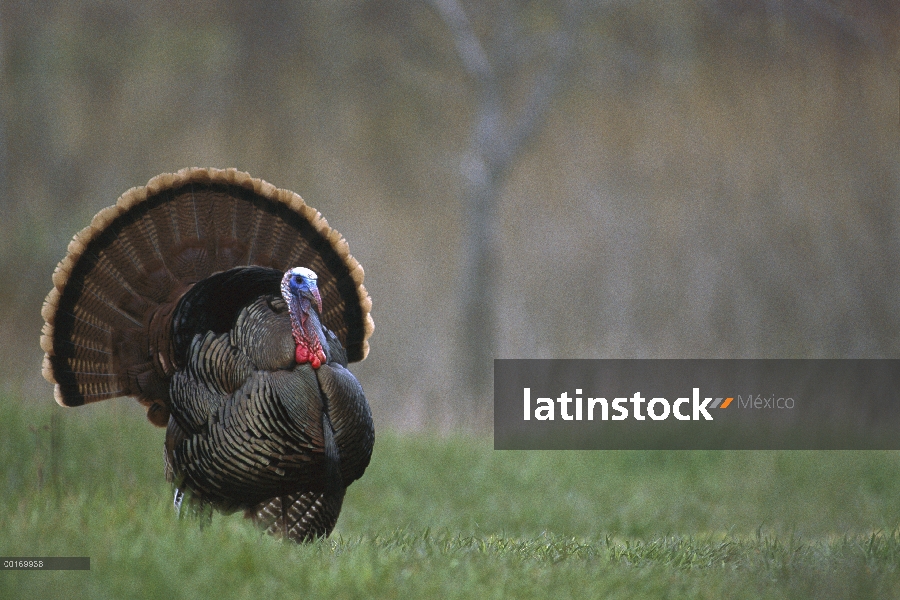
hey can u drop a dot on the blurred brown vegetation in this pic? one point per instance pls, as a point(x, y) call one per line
point(712, 179)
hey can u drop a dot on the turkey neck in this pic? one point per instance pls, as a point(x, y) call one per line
point(306, 328)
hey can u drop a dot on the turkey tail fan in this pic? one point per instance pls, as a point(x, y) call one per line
point(107, 330)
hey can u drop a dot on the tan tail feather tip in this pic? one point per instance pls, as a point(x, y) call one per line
point(358, 273)
point(132, 197)
point(47, 329)
point(47, 369)
point(105, 217)
point(76, 246)
point(58, 395)
point(47, 343)
point(365, 300)
point(160, 182)
point(61, 273)
point(51, 302)
point(83, 236)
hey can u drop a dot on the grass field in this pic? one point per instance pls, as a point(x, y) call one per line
point(450, 517)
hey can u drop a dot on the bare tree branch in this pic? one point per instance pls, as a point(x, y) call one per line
point(468, 46)
point(496, 144)
point(853, 27)
point(544, 89)
point(506, 142)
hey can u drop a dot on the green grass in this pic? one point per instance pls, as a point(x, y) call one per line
point(451, 517)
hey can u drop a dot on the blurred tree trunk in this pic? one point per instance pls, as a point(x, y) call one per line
point(498, 139)
point(5, 197)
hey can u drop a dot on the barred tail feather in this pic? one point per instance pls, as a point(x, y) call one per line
point(301, 517)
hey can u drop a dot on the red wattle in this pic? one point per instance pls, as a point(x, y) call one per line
point(303, 355)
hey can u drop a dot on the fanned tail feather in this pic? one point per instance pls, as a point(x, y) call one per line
point(107, 330)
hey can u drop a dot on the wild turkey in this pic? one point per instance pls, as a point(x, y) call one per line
point(230, 310)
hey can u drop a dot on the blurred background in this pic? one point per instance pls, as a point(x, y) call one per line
point(520, 179)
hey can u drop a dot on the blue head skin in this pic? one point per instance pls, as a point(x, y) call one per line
point(301, 293)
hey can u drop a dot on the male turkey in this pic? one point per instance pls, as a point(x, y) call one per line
point(229, 309)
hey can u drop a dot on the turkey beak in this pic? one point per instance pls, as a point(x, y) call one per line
point(310, 290)
point(314, 292)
